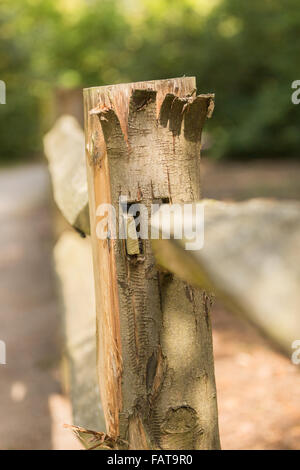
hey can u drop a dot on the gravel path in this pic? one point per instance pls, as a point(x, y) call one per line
point(32, 407)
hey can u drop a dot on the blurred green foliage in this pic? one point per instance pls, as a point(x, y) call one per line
point(245, 52)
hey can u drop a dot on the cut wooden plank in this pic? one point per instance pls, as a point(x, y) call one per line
point(64, 149)
point(155, 356)
point(250, 258)
point(74, 267)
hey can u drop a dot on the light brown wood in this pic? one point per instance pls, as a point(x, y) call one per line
point(74, 269)
point(250, 259)
point(155, 359)
point(64, 149)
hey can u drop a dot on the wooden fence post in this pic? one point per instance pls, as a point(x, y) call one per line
point(155, 359)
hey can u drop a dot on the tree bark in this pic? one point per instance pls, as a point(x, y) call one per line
point(155, 358)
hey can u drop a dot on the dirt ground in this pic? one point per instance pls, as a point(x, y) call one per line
point(32, 406)
point(258, 389)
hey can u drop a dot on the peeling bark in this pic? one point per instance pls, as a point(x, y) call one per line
point(155, 358)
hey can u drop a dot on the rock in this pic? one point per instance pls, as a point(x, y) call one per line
point(251, 259)
point(64, 149)
point(73, 260)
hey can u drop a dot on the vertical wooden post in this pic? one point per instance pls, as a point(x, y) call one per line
point(155, 358)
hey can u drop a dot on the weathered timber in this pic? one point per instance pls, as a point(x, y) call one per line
point(64, 149)
point(74, 268)
point(155, 357)
point(250, 258)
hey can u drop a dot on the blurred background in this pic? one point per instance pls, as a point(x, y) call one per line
point(247, 53)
